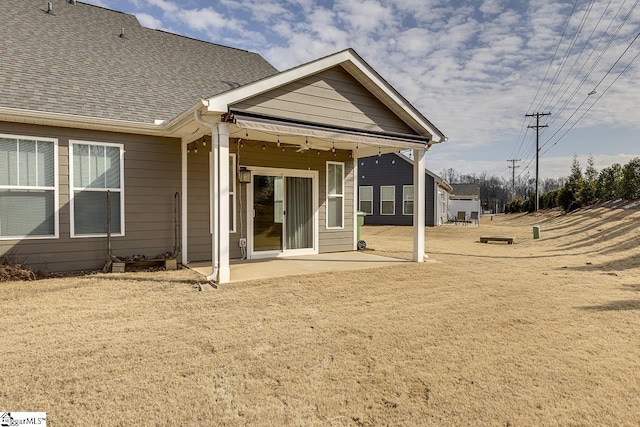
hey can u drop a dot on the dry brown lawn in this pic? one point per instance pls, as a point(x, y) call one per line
point(543, 332)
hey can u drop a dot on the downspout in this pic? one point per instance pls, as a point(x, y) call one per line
point(215, 246)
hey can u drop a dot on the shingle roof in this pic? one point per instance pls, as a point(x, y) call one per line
point(74, 61)
point(465, 189)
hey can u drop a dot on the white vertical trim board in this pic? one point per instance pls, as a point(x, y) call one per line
point(233, 167)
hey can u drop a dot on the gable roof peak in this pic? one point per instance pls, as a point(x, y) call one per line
point(353, 64)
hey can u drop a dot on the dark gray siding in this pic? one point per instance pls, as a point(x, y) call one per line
point(390, 169)
point(151, 178)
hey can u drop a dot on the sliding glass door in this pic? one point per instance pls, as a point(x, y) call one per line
point(284, 220)
point(268, 213)
point(299, 218)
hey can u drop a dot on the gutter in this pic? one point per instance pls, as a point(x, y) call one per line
point(18, 115)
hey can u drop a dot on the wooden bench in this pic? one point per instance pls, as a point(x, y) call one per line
point(487, 239)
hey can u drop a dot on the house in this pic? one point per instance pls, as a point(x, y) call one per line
point(385, 191)
point(464, 198)
point(203, 151)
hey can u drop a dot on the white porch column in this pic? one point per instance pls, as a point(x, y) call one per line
point(184, 259)
point(355, 201)
point(419, 199)
point(223, 202)
point(213, 196)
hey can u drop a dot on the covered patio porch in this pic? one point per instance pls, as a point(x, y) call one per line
point(264, 181)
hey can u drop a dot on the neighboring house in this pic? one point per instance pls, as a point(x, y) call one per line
point(464, 198)
point(260, 163)
point(385, 191)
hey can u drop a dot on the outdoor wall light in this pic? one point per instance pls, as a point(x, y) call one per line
point(244, 175)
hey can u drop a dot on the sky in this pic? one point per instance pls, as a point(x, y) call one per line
point(474, 68)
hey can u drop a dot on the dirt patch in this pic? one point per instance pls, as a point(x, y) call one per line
point(541, 332)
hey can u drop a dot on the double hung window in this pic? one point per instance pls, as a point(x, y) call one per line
point(366, 199)
point(335, 195)
point(95, 170)
point(28, 187)
point(387, 200)
point(407, 200)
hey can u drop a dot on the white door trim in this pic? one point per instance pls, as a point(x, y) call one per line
point(299, 173)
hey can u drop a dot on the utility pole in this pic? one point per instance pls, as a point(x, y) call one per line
point(513, 177)
point(537, 128)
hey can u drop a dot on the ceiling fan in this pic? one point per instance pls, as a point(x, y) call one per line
point(307, 146)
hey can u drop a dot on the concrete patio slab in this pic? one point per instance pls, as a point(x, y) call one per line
point(289, 266)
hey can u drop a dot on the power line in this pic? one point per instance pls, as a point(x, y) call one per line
point(554, 55)
point(566, 56)
point(594, 102)
point(564, 61)
point(593, 66)
point(592, 93)
point(586, 43)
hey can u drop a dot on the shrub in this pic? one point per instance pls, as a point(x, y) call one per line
point(11, 270)
point(630, 181)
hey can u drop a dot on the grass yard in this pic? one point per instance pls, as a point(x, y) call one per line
point(542, 332)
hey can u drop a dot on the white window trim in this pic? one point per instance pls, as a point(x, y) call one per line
point(383, 200)
point(233, 220)
point(326, 219)
point(360, 200)
point(72, 189)
point(55, 188)
point(404, 192)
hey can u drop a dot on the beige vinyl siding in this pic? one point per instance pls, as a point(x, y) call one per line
point(151, 178)
point(332, 97)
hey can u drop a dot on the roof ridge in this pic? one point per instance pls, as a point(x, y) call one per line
point(194, 39)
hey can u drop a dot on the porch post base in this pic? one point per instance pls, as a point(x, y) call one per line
point(224, 275)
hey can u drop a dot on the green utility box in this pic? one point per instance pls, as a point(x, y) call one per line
point(361, 243)
point(536, 231)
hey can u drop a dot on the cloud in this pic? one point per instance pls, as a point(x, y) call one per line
point(165, 5)
point(474, 70)
point(149, 21)
point(491, 7)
